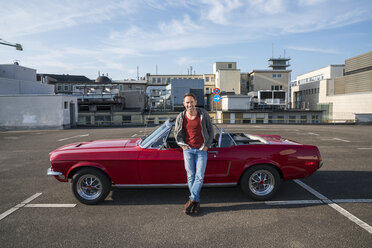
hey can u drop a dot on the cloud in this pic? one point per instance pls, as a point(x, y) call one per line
point(21, 18)
point(176, 27)
point(220, 11)
point(312, 49)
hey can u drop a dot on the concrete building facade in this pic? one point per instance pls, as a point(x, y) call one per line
point(341, 91)
point(29, 104)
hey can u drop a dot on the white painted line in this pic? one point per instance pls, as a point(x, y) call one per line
point(294, 202)
point(50, 205)
point(351, 217)
point(364, 148)
point(18, 206)
point(8, 212)
point(341, 140)
point(77, 136)
point(134, 135)
point(311, 190)
point(352, 200)
point(336, 207)
point(28, 200)
point(313, 133)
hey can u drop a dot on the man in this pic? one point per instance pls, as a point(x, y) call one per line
point(194, 134)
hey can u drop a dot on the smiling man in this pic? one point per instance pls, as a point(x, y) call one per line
point(194, 134)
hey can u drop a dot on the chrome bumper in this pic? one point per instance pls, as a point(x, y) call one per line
point(50, 172)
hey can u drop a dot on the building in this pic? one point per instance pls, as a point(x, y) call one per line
point(267, 116)
point(305, 94)
point(343, 92)
point(179, 87)
point(29, 104)
point(352, 98)
point(157, 80)
point(107, 102)
point(63, 83)
point(227, 77)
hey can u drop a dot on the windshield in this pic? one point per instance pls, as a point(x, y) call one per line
point(150, 138)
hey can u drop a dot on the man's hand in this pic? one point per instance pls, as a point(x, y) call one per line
point(205, 148)
point(185, 147)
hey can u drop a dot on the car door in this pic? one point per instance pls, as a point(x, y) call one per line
point(161, 164)
point(219, 160)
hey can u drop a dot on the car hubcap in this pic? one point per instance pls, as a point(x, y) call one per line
point(261, 182)
point(89, 187)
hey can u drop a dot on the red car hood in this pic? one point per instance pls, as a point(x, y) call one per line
point(116, 143)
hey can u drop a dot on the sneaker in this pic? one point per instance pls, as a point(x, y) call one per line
point(188, 206)
point(196, 208)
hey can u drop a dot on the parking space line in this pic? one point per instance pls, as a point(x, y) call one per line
point(18, 206)
point(50, 205)
point(134, 135)
point(33, 197)
point(337, 139)
point(294, 202)
point(364, 148)
point(336, 207)
point(352, 200)
point(77, 136)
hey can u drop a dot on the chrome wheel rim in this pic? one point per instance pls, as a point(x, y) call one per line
point(89, 187)
point(261, 182)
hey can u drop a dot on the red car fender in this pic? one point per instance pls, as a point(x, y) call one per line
point(88, 165)
point(261, 161)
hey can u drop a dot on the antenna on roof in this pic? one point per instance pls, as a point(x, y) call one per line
point(272, 50)
point(137, 72)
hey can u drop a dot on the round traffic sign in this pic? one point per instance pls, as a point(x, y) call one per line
point(217, 98)
point(216, 91)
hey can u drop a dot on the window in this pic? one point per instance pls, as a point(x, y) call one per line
point(206, 79)
point(315, 119)
point(279, 75)
point(303, 119)
point(292, 119)
point(127, 118)
point(229, 66)
point(280, 87)
point(65, 87)
point(138, 87)
point(59, 87)
point(274, 75)
point(66, 105)
point(153, 80)
point(280, 119)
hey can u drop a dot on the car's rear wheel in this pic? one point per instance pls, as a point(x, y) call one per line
point(260, 182)
point(90, 186)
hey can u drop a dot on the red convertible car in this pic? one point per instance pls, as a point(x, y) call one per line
point(258, 163)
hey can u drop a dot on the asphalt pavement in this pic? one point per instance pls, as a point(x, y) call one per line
point(331, 208)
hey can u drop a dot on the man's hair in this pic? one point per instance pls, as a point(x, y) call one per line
point(189, 94)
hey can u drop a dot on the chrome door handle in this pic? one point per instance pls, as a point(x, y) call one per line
point(215, 152)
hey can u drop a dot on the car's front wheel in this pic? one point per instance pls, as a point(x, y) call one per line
point(90, 186)
point(260, 182)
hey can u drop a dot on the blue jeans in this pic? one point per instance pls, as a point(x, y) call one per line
point(195, 164)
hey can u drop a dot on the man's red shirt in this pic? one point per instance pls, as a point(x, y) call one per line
point(193, 134)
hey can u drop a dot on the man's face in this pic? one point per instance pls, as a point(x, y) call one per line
point(189, 102)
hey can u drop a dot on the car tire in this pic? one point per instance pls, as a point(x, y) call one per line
point(91, 186)
point(260, 182)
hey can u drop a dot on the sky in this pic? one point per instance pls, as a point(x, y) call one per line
point(86, 37)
